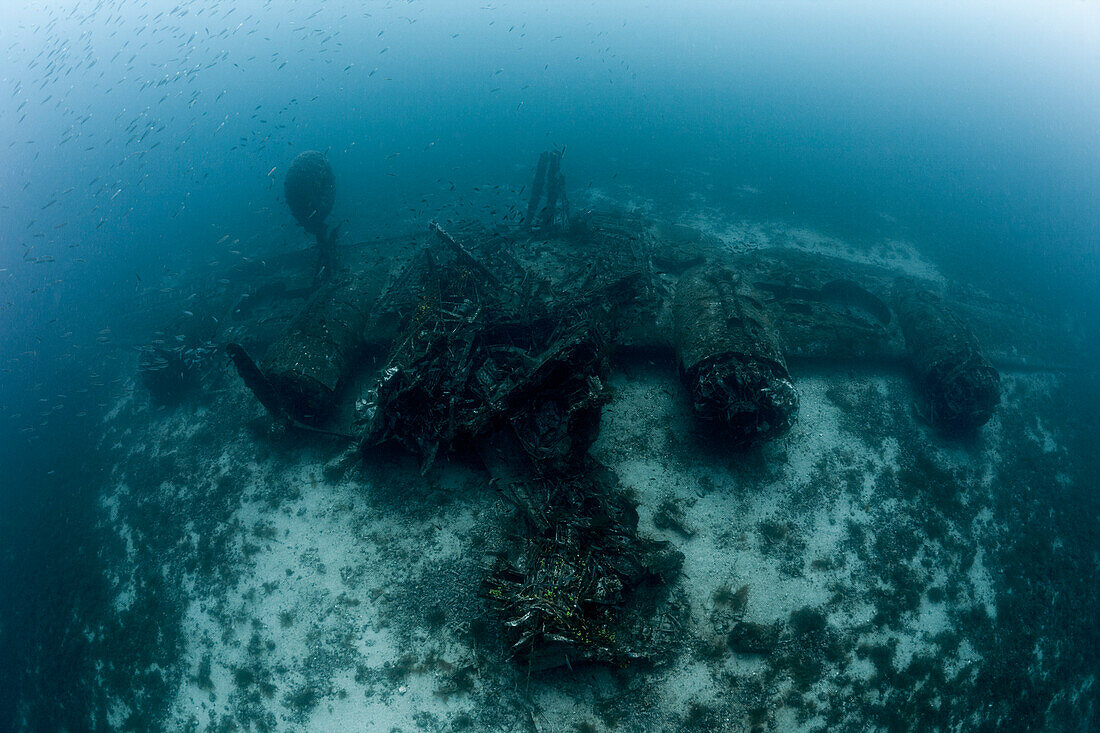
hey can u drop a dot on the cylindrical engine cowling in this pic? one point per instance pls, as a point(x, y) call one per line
point(731, 357)
point(960, 388)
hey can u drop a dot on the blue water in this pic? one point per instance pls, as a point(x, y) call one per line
point(137, 136)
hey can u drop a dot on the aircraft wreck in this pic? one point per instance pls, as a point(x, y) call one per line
point(496, 339)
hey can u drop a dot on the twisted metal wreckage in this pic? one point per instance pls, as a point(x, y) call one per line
point(497, 343)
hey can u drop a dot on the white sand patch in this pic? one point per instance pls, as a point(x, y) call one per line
point(123, 402)
point(963, 662)
point(117, 712)
point(739, 235)
point(1043, 436)
point(981, 583)
point(931, 620)
point(121, 581)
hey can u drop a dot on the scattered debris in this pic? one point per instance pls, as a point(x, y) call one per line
point(580, 585)
point(475, 359)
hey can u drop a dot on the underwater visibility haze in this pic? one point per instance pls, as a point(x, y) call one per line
point(578, 366)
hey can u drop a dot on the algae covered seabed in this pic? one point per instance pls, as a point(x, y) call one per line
point(862, 572)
